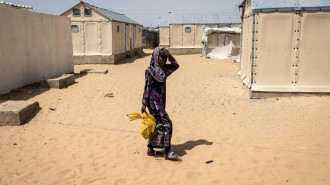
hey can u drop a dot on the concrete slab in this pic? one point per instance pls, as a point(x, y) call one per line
point(17, 112)
point(58, 82)
point(101, 71)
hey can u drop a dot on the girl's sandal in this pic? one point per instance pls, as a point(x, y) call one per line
point(173, 157)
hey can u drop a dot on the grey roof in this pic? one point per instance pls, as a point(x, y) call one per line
point(201, 18)
point(112, 15)
point(290, 5)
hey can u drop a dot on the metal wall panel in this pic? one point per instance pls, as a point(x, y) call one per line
point(199, 29)
point(188, 38)
point(314, 52)
point(246, 50)
point(176, 36)
point(273, 51)
point(91, 38)
point(77, 39)
point(106, 38)
point(118, 37)
point(164, 36)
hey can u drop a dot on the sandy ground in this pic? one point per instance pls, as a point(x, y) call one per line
point(89, 140)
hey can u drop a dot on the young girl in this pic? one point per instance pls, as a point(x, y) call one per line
point(154, 97)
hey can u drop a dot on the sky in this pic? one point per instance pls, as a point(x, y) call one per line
point(145, 12)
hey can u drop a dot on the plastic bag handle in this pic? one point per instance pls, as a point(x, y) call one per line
point(133, 116)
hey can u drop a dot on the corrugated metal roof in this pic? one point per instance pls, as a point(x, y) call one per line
point(112, 15)
point(290, 5)
point(16, 5)
point(201, 18)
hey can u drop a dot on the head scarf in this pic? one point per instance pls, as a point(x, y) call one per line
point(155, 69)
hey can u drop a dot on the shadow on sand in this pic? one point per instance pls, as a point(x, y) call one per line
point(189, 145)
point(132, 59)
point(31, 90)
point(24, 93)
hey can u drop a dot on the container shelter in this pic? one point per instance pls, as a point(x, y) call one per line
point(101, 35)
point(286, 45)
point(182, 33)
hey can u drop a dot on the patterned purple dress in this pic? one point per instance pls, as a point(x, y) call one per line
point(154, 97)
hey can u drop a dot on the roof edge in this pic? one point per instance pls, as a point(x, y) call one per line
point(94, 8)
point(289, 9)
point(91, 6)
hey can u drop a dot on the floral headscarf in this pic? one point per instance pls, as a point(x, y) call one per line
point(155, 69)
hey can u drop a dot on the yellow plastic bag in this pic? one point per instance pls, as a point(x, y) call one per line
point(148, 127)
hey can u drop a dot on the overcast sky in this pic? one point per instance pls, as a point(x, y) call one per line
point(145, 12)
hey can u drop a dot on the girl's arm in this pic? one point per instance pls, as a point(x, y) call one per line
point(146, 93)
point(170, 68)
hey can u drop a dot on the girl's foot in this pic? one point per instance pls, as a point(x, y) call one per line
point(151, 152)
point(172, 156)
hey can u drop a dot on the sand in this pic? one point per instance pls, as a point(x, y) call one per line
point(88, 139)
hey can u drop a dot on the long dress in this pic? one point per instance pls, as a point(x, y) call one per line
point(154, 97)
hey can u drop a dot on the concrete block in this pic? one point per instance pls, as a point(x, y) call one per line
point(101, 71)
point(59, 82)
point(17, 112)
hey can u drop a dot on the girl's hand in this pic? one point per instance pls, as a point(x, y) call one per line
point(166, 53)
point(143, 109)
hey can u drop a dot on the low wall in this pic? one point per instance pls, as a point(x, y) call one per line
point(185, 51)
point(33, 47)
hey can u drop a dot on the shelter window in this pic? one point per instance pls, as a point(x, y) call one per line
point(248, 2)
point(76, 12)
point(188, 29)
point(117, 28)
point(74, 28)
point(87, 12)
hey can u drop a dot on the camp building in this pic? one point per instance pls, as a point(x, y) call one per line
point(182, 33)
point(102, 36)
point(286, 45)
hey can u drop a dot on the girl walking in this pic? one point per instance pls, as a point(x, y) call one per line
point(154, 97)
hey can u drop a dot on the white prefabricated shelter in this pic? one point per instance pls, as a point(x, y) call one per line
point(286, 45)
point(101, 35)
point(221, 43)
point(182, 33)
